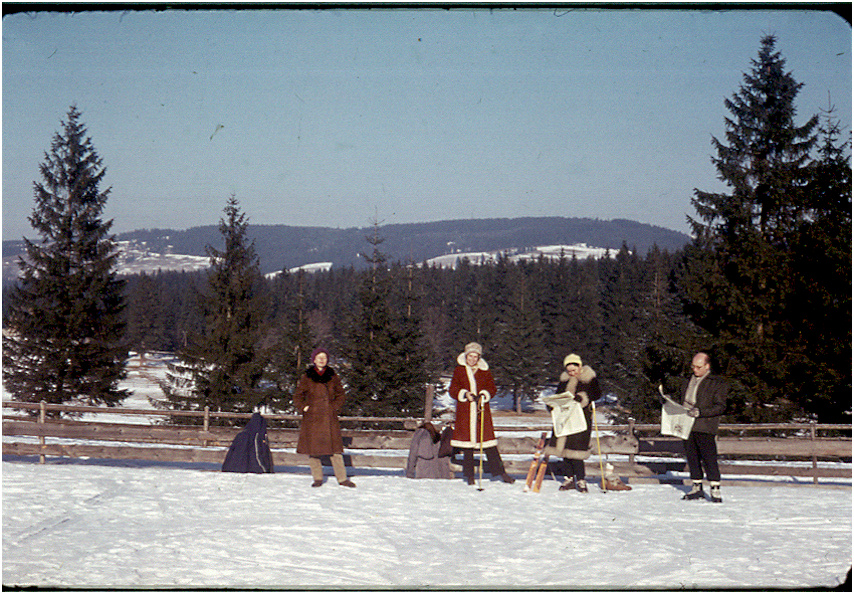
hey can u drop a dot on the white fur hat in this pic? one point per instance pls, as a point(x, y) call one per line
point(473, 347)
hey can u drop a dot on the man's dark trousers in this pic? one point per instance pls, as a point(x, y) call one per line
point(700, 448)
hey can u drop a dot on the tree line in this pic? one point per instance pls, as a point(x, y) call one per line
point(764, 288)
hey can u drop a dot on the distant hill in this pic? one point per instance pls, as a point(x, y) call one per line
point(282, 246)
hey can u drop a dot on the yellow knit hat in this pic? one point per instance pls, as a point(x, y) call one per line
point(570, 359)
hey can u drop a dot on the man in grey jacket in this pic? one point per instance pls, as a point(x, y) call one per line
point(704, 394)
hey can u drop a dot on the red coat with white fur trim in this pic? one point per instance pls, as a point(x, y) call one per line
point(467, 421)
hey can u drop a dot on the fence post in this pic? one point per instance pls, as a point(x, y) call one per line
point(42, 408)
point(206, 423)
point(428, 403)
point(814, 458)
point(631, 434)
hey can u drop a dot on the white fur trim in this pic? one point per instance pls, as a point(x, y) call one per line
point(481, 363)
point(586, 375)
point(474, 444)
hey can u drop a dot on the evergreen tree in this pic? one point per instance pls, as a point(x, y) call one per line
point(411, 360)
point(738, 272)
point(622, 309)
point(62, 339)
point(586, 325)
point(820, 308)
point(521, 353)
point(223, 366)
point(145, 316)
point(291, 337)
point(385, 371)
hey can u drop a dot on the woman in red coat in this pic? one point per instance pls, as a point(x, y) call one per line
point(319, 397)
point(473, 387)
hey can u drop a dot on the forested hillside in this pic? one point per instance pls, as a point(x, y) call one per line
point(617, 313)
point(282, 246)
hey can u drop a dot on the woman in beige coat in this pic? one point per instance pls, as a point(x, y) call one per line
point(319, 397)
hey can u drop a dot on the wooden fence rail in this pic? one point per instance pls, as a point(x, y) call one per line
point(204, 443)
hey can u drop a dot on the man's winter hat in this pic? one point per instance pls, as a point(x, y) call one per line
point(473, 347)
point(572, 359)
point(317, 351)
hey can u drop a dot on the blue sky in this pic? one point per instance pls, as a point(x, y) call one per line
point(336, 117)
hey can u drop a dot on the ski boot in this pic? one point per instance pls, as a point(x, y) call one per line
point(716, 493)
point(696, 492)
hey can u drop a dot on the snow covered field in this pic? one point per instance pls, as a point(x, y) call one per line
point(126, 525)
point(121, 524)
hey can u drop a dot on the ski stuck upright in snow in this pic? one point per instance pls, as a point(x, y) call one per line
point(533, 471)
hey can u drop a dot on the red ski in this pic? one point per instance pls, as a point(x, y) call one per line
point(535, 463)
point(541, 473)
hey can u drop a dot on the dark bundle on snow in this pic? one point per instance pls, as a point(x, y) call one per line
point(250, 450)
point(430, 453)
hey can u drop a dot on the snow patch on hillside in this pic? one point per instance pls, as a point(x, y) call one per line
point(580, 251)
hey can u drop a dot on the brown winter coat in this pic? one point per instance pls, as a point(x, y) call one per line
point(585, 386)
point(320, 432)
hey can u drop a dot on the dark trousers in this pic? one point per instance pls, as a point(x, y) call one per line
point(494, 465)
point(576, 469)
point(701, 452)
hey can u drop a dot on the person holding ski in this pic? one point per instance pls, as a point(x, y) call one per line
point(319, 397)
point(472, 386)
point(704, 394)
point(580, 380)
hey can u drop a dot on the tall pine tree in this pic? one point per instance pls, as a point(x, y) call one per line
point(820, 308)
point(223, 366)
point(62, 339)
point(385, 362)
point(738, 273)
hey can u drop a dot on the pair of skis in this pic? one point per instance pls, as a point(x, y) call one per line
point(539, 464)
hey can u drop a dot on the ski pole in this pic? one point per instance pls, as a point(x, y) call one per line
point(599, 447)
point(480, 465)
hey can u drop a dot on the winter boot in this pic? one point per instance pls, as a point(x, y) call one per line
point(581, 486)
point(568, 484)
point(507, 478)
point(696, 492)
point(347, 483)
point(317, 484)
point(716, 493)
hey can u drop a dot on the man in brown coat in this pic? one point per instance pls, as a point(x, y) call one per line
point(704, 394)
point(319, 397)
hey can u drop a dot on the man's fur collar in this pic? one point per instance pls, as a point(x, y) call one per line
point(328, 374)
point(584, 377)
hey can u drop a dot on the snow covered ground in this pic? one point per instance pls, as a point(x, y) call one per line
point(128, 525)
point(122, 524)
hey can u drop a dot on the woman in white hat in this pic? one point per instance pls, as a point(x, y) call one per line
point(473, 387)
point(580, 380)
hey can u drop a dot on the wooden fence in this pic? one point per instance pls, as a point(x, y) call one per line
point(634, 444)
